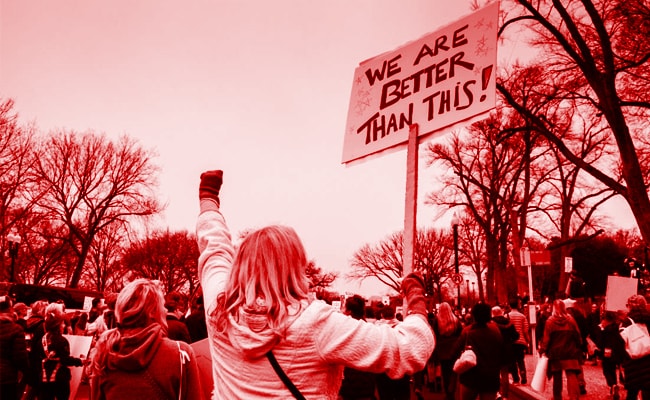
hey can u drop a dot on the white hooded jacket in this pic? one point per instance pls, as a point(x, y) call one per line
point(318, 344)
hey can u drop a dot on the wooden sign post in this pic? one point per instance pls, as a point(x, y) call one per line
point(411, 203)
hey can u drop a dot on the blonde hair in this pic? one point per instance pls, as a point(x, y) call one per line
point(139, 305)
point(38, 307)
point(268, 276)
point(637, 302)
point(559, 309)
point(447, 320)
point(57, 309)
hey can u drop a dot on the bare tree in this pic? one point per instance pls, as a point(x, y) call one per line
point(507, 174)
point(88, 183)
point(104, 268)
point(383, 261)
point(319, 281)
point(44, 251)
point(486, 171)
point(433, 259)
point(472, 250)
point(597, 58)
point(16, 159)
point(170, 257)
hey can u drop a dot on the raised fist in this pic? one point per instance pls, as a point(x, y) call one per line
point(210, 185)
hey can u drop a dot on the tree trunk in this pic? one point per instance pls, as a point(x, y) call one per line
point(78, 269)
point(495, 274)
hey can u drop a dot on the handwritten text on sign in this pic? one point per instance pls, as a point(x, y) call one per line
point(438, 80)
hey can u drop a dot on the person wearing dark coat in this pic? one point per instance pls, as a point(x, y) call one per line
point(484, 337)
point(593, 320)
point(447, 328)
point(357, 385)
point(520, 347)
point(510, 336)
point(561, 343)
point(34, 335)
point(611, 350)
point(13, 351)
point(176, 328)
point(575, 286)
point(387, 387)
point(57, 361)
point(637, 371)
point(543, 314)
point(581, 320)
point(195, 322)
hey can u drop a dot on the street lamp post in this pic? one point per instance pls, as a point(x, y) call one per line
point(467, 287)
point(473, 292)
point(14, 241)
point(454, 225)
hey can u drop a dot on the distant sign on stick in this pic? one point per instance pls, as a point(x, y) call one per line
point(441, 79)
point(619, 289)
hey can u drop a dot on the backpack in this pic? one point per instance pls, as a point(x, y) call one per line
point(637, 340)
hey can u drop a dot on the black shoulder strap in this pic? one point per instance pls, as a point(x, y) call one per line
point(278, 370)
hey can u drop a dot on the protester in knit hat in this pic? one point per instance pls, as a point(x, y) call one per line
point(34, 336)
point(21, 310)
point(54, 323)
point(56, 371)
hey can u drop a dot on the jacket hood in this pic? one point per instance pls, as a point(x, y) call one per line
point(136, 348)
point(502, 321)
point(561, 320)
point(6, 317)
point(34, 321)
point(251, 334)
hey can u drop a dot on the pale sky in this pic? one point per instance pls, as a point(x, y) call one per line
point(259, 89)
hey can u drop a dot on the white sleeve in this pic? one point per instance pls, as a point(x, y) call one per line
point(399, 350)
point(216, 255)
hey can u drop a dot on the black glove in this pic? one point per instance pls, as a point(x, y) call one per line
point(77, 362)
point(413, 289)
point(210, 185)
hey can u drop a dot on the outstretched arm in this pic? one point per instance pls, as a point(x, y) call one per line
point(214, 240)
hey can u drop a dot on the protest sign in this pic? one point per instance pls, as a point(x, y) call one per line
point(619, 289)
point(79, 347)
point(441, 79)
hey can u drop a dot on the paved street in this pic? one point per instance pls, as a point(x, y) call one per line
point(596, 387)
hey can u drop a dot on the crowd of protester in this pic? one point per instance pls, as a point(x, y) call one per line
point(569, 331)
point(38, 362)
point(35, 359)
point(270, 338)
